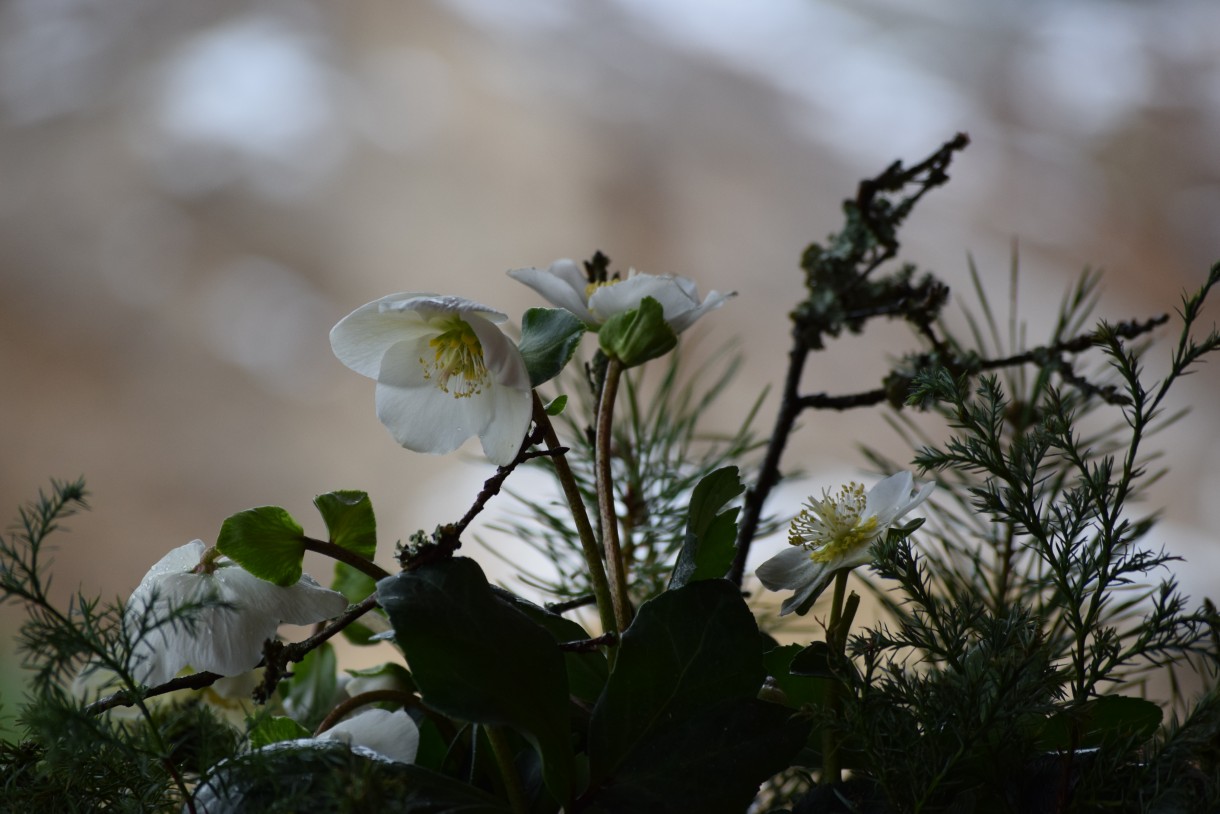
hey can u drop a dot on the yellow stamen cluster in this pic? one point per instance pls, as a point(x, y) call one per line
point(831, 528)
point(457, 363)
point(591, 287)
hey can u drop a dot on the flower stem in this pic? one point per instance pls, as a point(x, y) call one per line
point(605, 496)
point(338, 552)
point(504, 758)
point(832, 767)
point(580, 516)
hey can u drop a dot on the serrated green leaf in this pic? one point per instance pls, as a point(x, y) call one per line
point(266, 541)
point(633, 337)
point(275, 728)
point(549, 337)
point(687, 649)
point(711, 534)
point(477, 658)
point(349, 521)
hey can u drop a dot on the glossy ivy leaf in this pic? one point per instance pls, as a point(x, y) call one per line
point(477, 658)
point(587, 670)
point(266, 541)
point(688, 649)
point(276, 728)
point(710, 541)
point(349, 521)
point(711, 761)
point(308, 775)
point(1099, 720)
point(549, 337)
point(633, 337)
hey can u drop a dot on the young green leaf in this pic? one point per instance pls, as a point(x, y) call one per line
point(266, 541)
point(709, 544)
point(549, 337)
point(349, 521)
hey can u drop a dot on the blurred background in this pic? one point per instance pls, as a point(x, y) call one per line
point(191, 194)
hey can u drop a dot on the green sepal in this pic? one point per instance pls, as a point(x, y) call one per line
point(633, 337)
point(549, 337)
point(710, 541)
point(266, 541)
point(349, 521)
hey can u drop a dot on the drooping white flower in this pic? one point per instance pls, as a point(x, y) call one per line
point(392, 735)
point(564, 285)
point(225, 635)
point(444, 372)
point(835, 533)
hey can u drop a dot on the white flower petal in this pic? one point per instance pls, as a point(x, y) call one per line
point(625, 295)
point(302, 603)
point(714, 300)
point(562, 284)
point(225, 638)
point(500, 355)
point(362, 337)
point(502, 437)
point(792, 569)
point(390, 734)
point(421, 416)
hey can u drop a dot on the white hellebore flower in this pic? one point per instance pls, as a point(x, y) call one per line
point(226, 636)
point(835, 533)
point(444, 372)
point(565, 285)
point(392, 735)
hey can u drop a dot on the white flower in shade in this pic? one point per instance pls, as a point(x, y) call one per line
point(444, 372)
point(392, 735)
point(565, 285)
point(226, 614)
point(835, 533)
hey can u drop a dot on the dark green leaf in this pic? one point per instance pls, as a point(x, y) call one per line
point(587, 670)
point(633, 337)
point(711, 535)
point(799, 688)
point(687, 649)
point(711, 762)
point(1098, 720)
point(477, 658)
point(549, 337)
point(349, 520)
point(266, 541)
